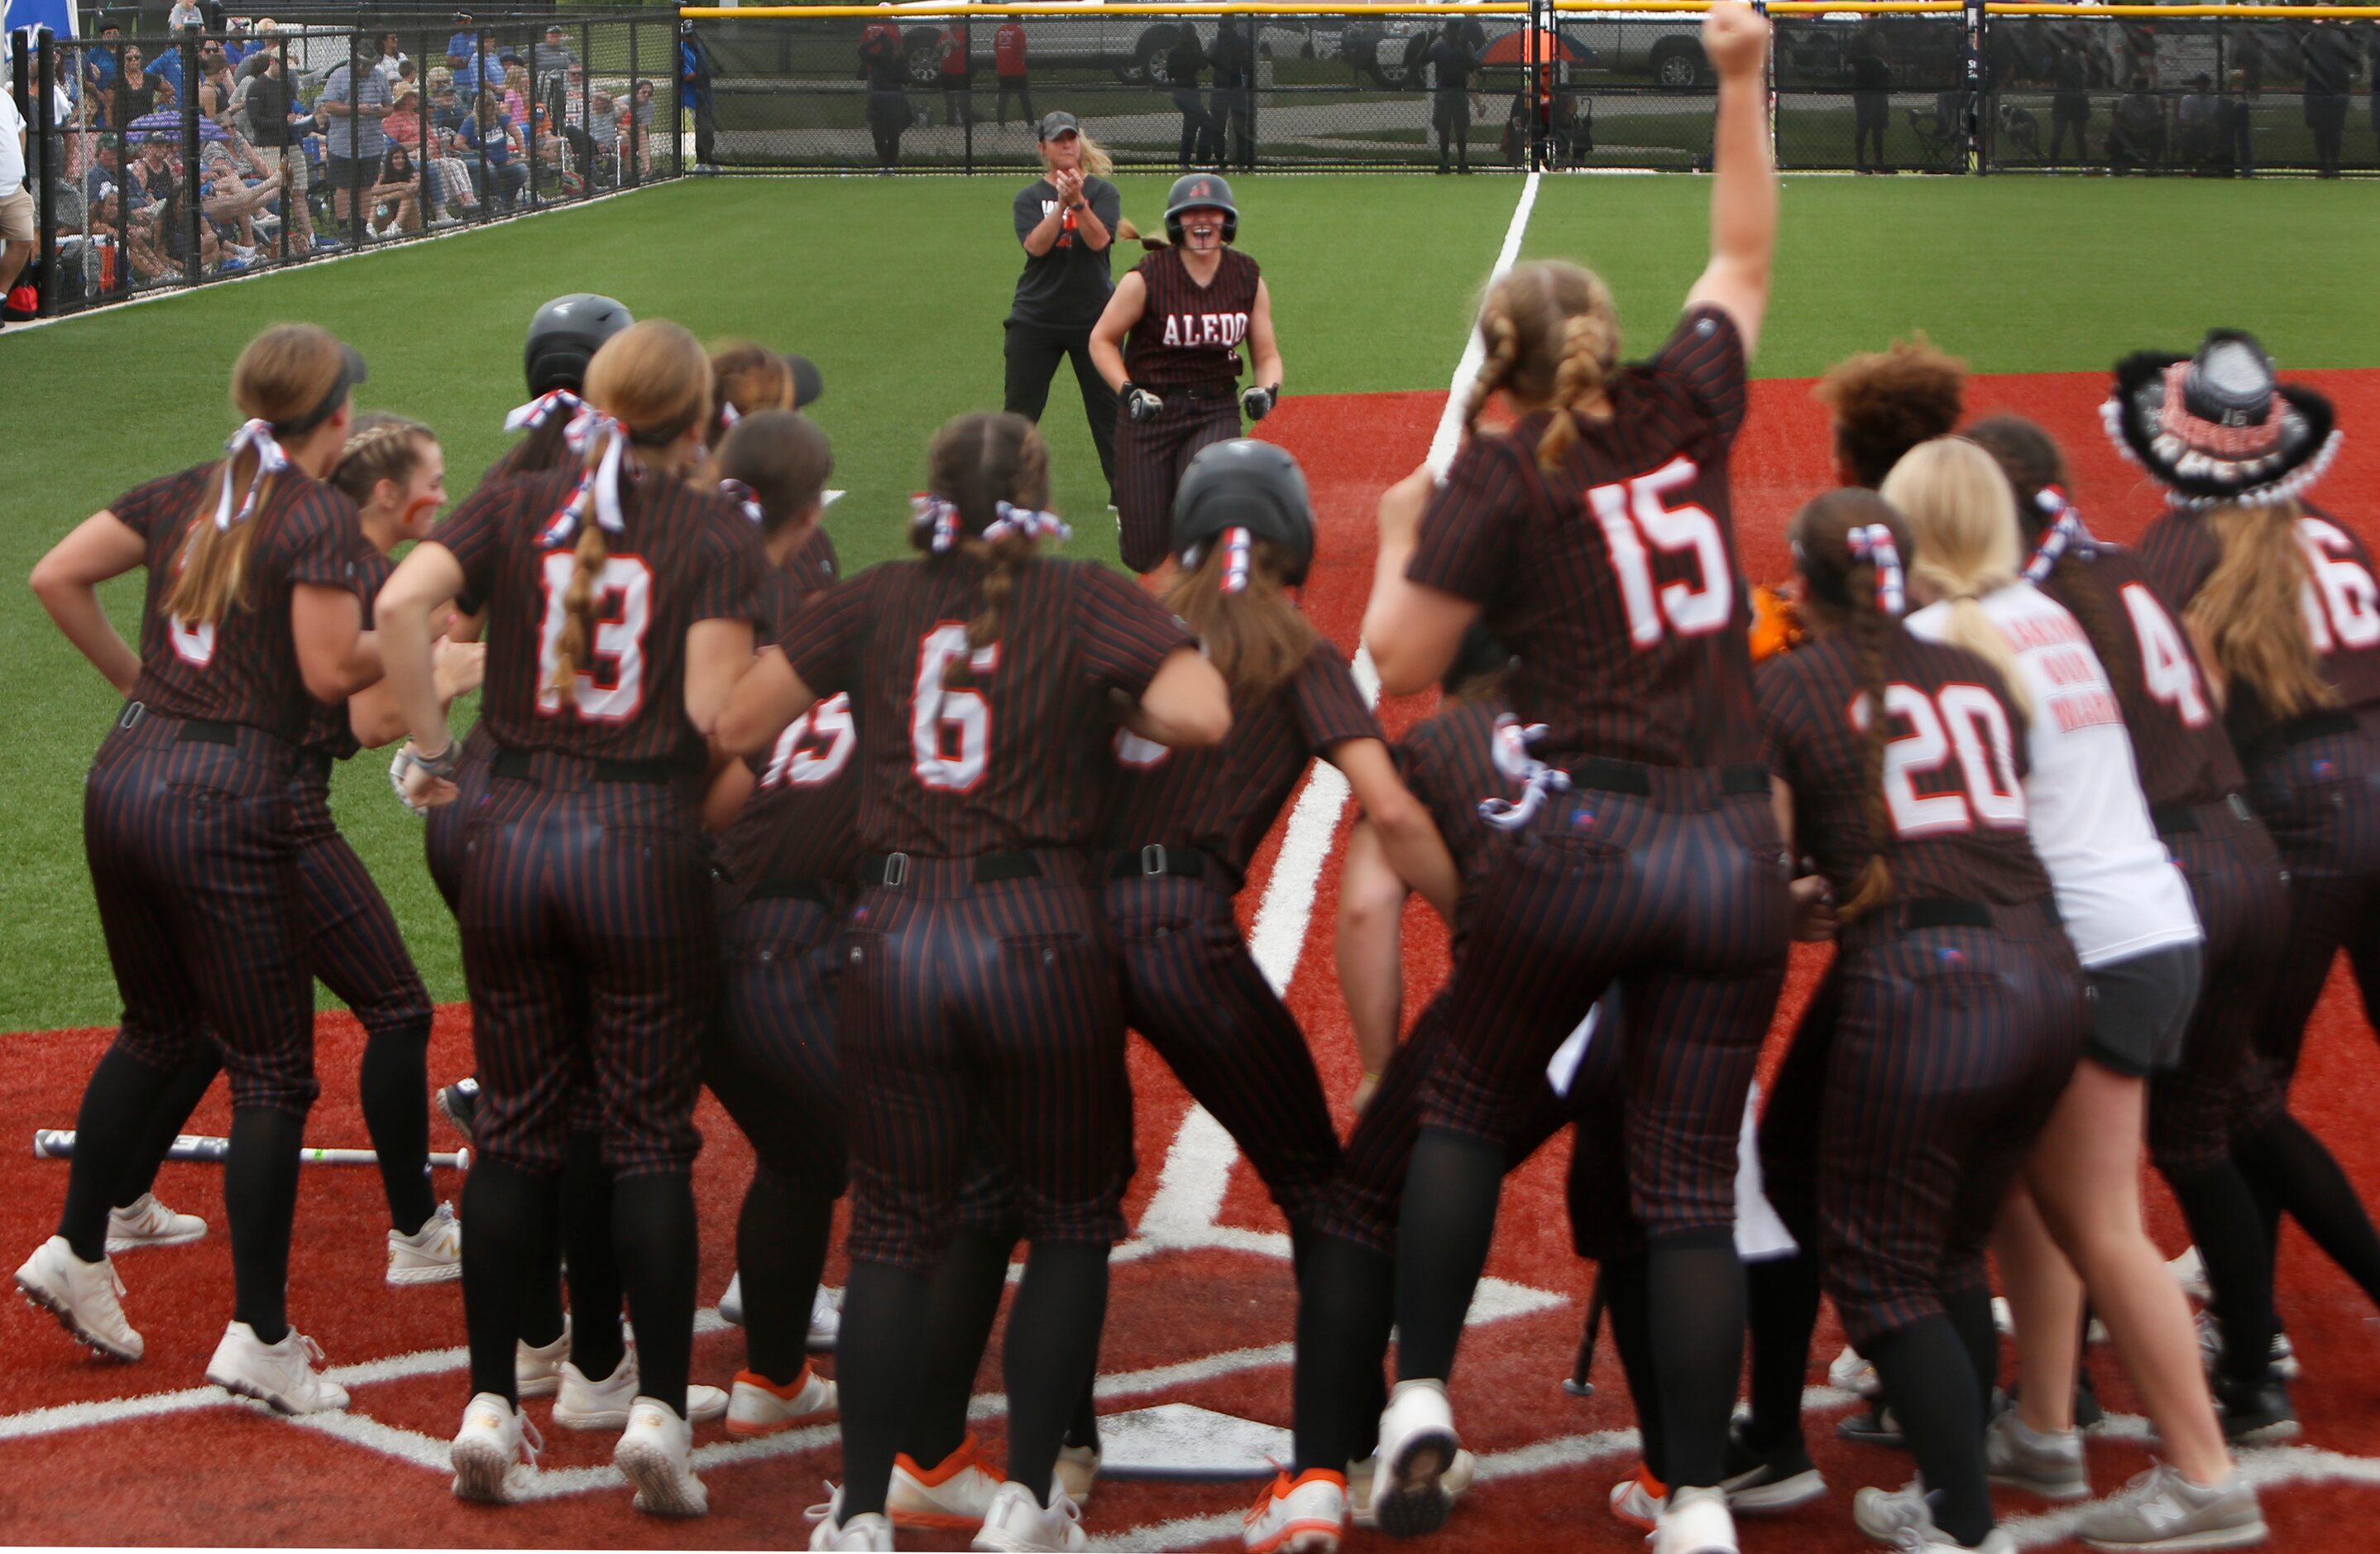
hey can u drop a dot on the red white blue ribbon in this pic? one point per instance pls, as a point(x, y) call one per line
point(2065, 533)
point(598, 488)
point(744, 496)
point(1236, 546)
point(538, 411)
point(255, 437)
point(1030, 522)
point(1873, 543)
point(1510, 752)
point(936, 517)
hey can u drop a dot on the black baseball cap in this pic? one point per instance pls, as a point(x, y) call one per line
point(1058, 123)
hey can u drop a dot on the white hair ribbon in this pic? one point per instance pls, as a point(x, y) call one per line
point(255, 437)
point(937, 514)
point(1873, 543)
point(1511, 751)
point(728, 414)
point(744, 496)
point(538, 411)
point(1236, 545)
point(2064, 534)
point(599, 487)
point(1032, 523)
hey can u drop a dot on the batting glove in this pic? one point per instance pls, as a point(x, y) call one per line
point(1257, 403)
point(1141, 405)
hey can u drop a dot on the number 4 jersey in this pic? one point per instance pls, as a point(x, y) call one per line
point(1010, 756)
point(682, 555)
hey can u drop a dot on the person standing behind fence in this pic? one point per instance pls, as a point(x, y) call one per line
point(1008, 62)
point(2330, 67)
point(355, 99)
point(694, 73)
point(1871, 101)
point(16, 204)
point(1183, 65)
point(957, 75)
point(2070, 105)
point(885, 67)
point(1451, 65)
point(1236, 99)
point(1067, 221)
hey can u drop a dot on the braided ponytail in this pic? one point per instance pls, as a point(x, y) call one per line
point(976, 462)
point(379, 446)
point(1552, 340)
point(1590, 343)
point(1872, 632)
point(1503, 342)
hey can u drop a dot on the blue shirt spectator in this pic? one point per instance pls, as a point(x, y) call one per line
point(357, 136)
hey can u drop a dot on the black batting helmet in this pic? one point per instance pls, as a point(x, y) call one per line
point(565, 335)
point(1246, 484)
point(1200, 191)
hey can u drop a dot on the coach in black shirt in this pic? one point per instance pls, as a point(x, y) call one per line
point(1066, 219)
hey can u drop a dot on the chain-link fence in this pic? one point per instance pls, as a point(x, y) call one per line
point(171, 160)
point(1532, 85)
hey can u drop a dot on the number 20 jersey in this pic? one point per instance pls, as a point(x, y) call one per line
point(1011, 758)
point(1614, 578)
point(1953, 776)
point(682, 556)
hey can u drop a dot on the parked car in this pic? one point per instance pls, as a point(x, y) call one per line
point(1136, 51)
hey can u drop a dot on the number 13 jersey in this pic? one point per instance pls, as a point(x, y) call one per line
point(1009, 757)
point(1614, 578)
point(682, 556)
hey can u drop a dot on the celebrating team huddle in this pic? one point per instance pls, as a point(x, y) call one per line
point(892, 862)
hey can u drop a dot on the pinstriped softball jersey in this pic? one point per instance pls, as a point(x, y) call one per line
point(1917, 1083)
point(590, 945)
point(187, 821)
point(1189, 983)
point(978, 990)
point(1186, 350)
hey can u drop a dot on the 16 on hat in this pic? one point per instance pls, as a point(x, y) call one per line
point(1057, 123)
point(2218, 428)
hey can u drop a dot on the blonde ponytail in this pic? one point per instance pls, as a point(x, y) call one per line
point(1963, 516)
point(2251, 611)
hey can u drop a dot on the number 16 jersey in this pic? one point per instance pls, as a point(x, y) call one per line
point(682, 556)
point(1010, 757)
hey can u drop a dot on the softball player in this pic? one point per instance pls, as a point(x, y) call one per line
point(979, 984)
point(620, 603)
point(1594, 538)
point(2195, 791)
point(788, 844)
point(1169, 345)
point(2281, 596)
point(1954, 1015)
point(392, 470)
point(2076, 1206)
point(250, 616)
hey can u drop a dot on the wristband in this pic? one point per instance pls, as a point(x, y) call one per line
point(444, 763)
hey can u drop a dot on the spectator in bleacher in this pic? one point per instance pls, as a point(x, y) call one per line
point(2329, 68)
point(106, 168)
point(2136, 138)
point(553, 54)
point(2069, 103)
point(264, 45)
point(150, 177)
point(388, 59)
point(403, 127)
point(354, 103)
point(101, 63)
point(1008, 62)
point(957, 75)
point(463, 41)
point(603, 132)
point(231, 205)
point(515, 97)
point(15, 203)
point(135, 90)
point(278, 121)
point(492, 133)
point(396, 194)
point(1232, 105)
point(640, 126)
point(447, 109)
point(185, 16)
point(456, 187)
point(215, 88)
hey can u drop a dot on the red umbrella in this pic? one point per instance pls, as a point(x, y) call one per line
point(1530, 45)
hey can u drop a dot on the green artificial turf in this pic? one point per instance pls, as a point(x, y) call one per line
point(897, 286)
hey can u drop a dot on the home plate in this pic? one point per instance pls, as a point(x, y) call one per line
point(1182, 1440)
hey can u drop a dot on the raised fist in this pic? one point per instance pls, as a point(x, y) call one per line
point(1735, 37)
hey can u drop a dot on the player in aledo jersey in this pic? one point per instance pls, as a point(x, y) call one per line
point(1952, 1019)
point(250, 616)
point(2195, 791)
point(788, 839)
point(2075, 1209)
point(978, 986)
point(1171, 344)
point(2281, 596)
point(393, 470)
point(620, 603)
point(1595, 540)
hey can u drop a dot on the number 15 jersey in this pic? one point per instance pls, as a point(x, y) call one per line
point(1614, 578)
point(1010, 757)
point(682, 556)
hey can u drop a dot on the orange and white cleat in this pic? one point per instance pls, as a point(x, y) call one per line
point(1302, 1515)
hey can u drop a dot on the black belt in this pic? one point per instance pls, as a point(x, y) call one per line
point(2182, 819)
point(206, 730)
point(1147, 863)
point(2313, 726)
point(1636, 777)
point(521, 765)
point(792, 890)
point(1945, 912)
point(893, 868)
point(1204, 395)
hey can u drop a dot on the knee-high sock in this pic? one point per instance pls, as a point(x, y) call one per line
point(878, 1359)
point(1050, 1349)
point(166, 1123)
point(1929, 1380)
point(1443, 1230)
point(1694, 1290)
point(1970, 1311)
point(261, 1201)
point(653, 1231)
point(507, 1255)
point(1783, 1302)
point(963, 1304)
point(595, 1344)
point(2304, 1180)
point(395, 1092)
point(779, 1246)
point(1346, 1305)
point(1626, 1301)
point(2229, 1230)
point(119, 1104)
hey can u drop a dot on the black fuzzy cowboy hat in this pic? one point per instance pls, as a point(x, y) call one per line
point(2218, 428)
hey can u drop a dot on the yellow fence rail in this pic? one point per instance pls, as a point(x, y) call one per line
point(933, 8)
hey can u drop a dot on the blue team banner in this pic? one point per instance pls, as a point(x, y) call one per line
point(58, 16)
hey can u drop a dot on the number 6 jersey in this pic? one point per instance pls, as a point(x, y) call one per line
point(1012, 757)
point(682, 555)
point(1614, 578)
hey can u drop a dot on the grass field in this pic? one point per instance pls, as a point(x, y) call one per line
point(897, 288)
